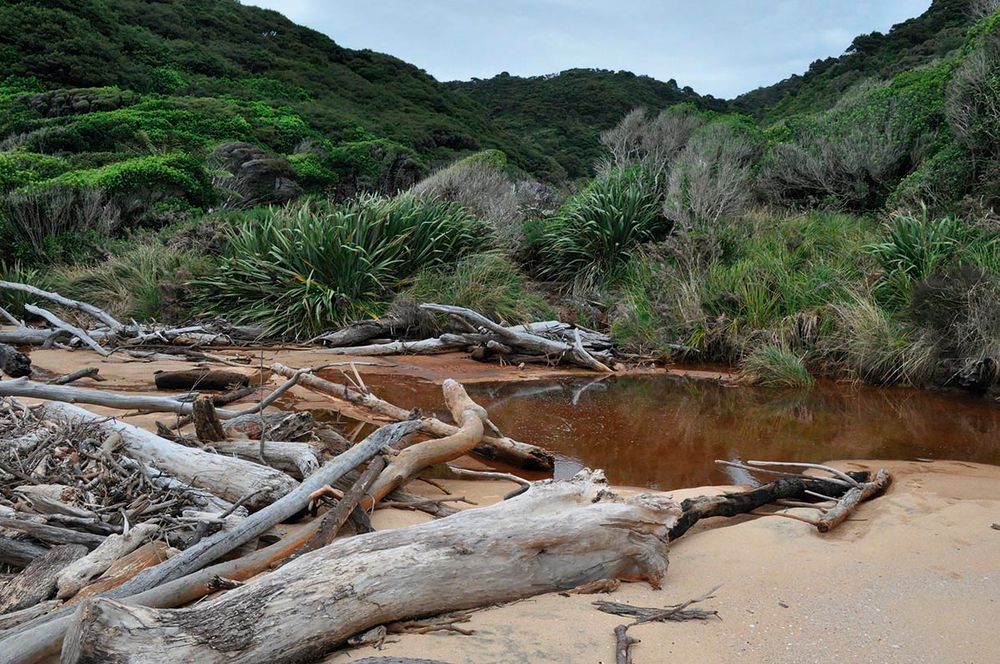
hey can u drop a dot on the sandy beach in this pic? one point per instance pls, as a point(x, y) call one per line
point(914, 576)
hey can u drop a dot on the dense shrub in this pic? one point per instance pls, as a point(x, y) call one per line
point(711, 181)
point(309, 266)
point(144, 282)
point(481, 187)
point(45, 221)
point(594, 234)
point(652, 143)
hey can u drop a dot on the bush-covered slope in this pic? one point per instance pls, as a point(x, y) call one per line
point(220, 49)
point(565, 113)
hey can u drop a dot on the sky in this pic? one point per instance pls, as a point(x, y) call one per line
point(718, 47)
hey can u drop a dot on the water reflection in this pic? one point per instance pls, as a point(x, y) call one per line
point(665, 432)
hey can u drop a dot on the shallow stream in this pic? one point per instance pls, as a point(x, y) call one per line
point(665, 431)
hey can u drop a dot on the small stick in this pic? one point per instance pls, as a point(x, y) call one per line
point(815, 466)
point(89, 372)
point(623, 645)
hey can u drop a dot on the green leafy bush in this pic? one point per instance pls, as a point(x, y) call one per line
point(592, 237)
point(307, 267)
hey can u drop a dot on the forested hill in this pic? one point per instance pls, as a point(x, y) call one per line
point(215, 61)
point(565, 113)
point(912, 43)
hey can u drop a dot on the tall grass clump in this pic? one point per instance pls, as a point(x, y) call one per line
point(914, 247)
point(592, 237)
point(878, 348)
point(775, 366)
point(487, 282)
point(146, 282)
point(304, 268)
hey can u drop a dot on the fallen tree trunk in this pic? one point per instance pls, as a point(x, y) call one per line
point(837, 514)
point(366, 407)
point(227, 477)
point(37, 581)
point(13, 362)
point(297, 458)
point(554, 537)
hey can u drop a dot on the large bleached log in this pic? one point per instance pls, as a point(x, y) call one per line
point(367, 407)
point(557, 536)
point(96, 312)
point(228, 477)
point(14, 363)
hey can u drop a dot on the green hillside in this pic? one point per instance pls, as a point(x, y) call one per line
point(564, 114)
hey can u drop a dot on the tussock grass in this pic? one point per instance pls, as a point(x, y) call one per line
point(775, 366)
point(487, 282)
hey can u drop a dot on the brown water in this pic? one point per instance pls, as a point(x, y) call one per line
point(665, 432)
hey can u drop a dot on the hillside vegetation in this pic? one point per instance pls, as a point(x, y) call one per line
point(187, 159)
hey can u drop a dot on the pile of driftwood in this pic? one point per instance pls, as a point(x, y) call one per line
point(549, 342)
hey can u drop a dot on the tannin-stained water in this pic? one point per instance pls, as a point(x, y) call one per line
point(665, 431)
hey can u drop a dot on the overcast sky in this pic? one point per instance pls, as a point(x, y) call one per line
point(719, 47)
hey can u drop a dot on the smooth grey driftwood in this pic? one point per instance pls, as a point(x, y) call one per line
point(527, 341)
point(19, 553)
point(96, 312)
point(227, 477)
point(557, 536)
point(73, 330)
point(42, 636)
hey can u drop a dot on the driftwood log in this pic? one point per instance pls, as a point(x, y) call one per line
point(554, 537)
point(89, 309)
point(200, 379)
point(527, 342)
point(181, 579)
point(366, 407)
point(37, 581)
point(19, 553)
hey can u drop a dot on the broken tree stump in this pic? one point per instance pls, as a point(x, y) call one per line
point(207, 426)
point(13, 362)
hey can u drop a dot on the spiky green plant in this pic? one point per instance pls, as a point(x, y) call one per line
point(593, 236)
point(304, 268)
point(914, 247)
point(776, 366)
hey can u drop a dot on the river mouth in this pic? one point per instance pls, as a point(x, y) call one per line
point(663, 432)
